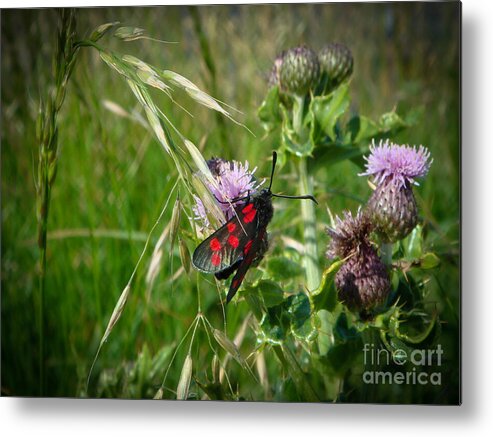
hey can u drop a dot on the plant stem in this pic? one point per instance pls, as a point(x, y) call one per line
point(298, 106)
point(386, 253)
point(312, 272)
point(42, 286)
point(310, 258)
point(47, 137)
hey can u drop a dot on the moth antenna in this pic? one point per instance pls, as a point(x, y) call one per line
point(274, 161)
point(307, 197)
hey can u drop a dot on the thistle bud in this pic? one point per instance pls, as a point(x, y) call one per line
point(274, 76)
point(299, 70)
point(393, 210)
point(392, 206)
point(336, 61)
point(362, 282)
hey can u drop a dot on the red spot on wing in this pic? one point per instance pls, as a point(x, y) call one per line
point(246, 249)
point(247, 208)
point(215, 245)
point(250, 215)
point(216, 259)
point(231, 227)
point(233, 241)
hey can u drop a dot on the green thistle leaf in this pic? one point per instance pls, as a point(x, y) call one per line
point(327, 110)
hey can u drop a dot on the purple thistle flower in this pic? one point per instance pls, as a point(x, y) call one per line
point(403, 164)
point(234, 180)
point(392, 206)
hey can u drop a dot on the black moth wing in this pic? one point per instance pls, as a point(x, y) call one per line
point(224, 249)
point(228, 271)
point(245, 264)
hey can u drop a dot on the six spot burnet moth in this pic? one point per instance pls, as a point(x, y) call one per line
point(242, 240)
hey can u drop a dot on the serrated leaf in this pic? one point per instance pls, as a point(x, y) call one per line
point(393, 343)
point(328, 109)
point(325, 296)
point(254, 302)
point(429, 261)
point(325, 337)
point(391, 122)
point(271, 292)
point(292, 143)
point(412, 244)
point(327, 276)
point(300, 312)
point(418, 337)
point(342, 330)
point(274, 324)
point(361, 128)
point(283, 268)
point(296, 142)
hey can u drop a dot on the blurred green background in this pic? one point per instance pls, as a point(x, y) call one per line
point(113, 177)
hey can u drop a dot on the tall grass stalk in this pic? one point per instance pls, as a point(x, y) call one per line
point(47, 139)
point(206, 52)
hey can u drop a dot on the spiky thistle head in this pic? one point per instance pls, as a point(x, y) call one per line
point(336, 61)
point(234, 180)
point(392, 206)
point(362, 282)
point(349, 234)
point(299, 70)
